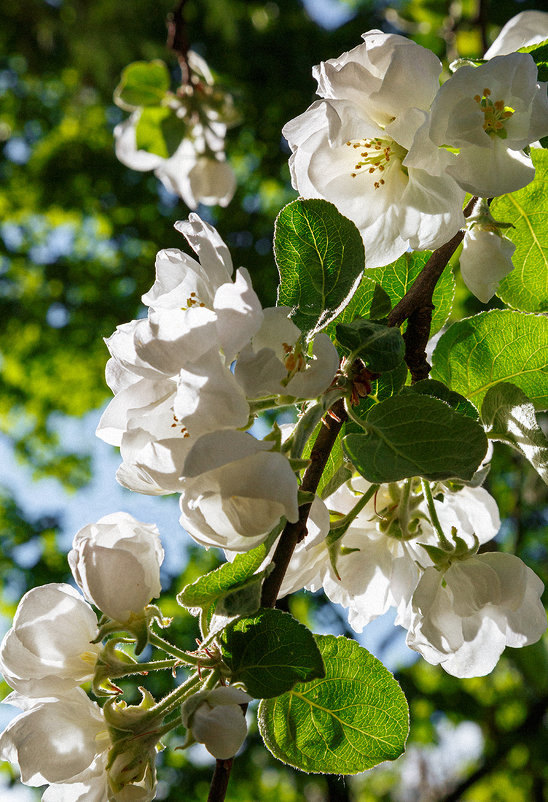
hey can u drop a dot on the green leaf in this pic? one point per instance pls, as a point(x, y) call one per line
point(539, 53)
point(229, 577)
point(381, 304)
point(396, 279)
point(143, 83)
point(380, 347)
point(496, 346)
point(510, 416)
point(270, 652)
point(439, 390)
point(526, 287)
point(245, 600)
point(320, 257)
point(346, 723)
point(416, 436)
point(159, 131)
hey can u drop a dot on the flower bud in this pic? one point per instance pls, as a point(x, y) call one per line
point(485, 260)
point(218, 721)
point(116, 562)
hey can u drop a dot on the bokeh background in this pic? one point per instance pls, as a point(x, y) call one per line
point(78, 237)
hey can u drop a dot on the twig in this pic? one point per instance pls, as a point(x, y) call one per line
point(416, 305)
point(177, 39)
point(293, 533)
point(219, 781)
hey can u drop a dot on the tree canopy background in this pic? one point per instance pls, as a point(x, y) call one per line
point(78, 236)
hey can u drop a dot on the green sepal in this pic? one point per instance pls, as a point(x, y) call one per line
point(298, 465)
point(111, 661)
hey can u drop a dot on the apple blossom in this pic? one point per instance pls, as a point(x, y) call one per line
point(217, 720)
point(275, 362)
point(171, 372)
point(196, 171)
point(235, 490)
point(116, 562)
point(463, 616)
point(377, 561)
point(178, 275)
point(155, 423)
point(526, 28)
point(487, 115)
point(486, 258)
point(48, 648)
point(351, 147)
point(58, 740)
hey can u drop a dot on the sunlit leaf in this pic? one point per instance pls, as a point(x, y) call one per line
point(501, 345)
point(353, 719)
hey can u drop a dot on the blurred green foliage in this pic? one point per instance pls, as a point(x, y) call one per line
point(78, 236)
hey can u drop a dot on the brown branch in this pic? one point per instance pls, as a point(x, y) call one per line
point(219, 781)
point(416, 305)
point(293, 533)
point(177, 39)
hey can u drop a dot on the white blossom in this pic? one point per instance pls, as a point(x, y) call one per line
point(171, 372)
point(463, 617)
point(48, 648)
point(274, 363)
point(219, 722)
point(116, 562)
point(487, 115)
point(235, 491)
point(196, 171)
point(377, 566)
point(58, 740)
point(485, 260)
point(525, 29)
point(352, 147)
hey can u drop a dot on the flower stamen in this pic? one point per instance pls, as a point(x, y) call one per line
point(376, 155)
point(495, 114)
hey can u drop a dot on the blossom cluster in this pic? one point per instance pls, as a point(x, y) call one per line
point(54, 647)
point(397, 153)
point(197, 171)
point(460, 608)
point(186, 381)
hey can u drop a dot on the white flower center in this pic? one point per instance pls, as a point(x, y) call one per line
point(376, 156)
point(495, 114)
